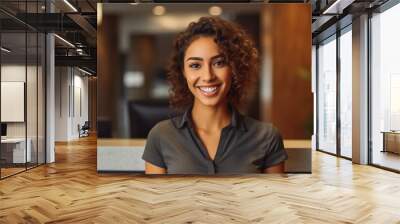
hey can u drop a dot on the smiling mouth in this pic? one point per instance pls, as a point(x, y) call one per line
point(209, 90)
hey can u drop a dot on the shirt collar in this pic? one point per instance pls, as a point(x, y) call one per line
point(237, 119)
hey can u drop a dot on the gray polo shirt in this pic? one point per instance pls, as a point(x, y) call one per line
point(246, 146)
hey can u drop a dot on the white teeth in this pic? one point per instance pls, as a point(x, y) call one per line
point(208, 89)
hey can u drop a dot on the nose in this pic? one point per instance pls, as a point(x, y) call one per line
point(208, 74)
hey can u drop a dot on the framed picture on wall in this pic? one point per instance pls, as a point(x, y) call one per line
point(12, 101)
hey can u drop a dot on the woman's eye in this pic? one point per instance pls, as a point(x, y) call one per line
point(194, 66)
point(219, 63)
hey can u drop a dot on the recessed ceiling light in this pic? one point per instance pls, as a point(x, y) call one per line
point(70, 5)
point(5, 49)
point(215, 10)
point(159, 10)
point(84, 71)
point(337, 7)
point(65, 41)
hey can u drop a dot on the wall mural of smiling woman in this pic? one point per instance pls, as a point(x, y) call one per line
point(213, 67)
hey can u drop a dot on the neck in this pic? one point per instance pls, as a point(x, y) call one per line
point(210, 118)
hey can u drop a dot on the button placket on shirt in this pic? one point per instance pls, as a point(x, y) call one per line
point(202, 150)
point(220, 149)
point(211, 164)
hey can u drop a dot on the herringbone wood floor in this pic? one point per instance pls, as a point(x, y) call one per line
point(70, 191)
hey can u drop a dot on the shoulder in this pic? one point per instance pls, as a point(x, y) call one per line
point(164, 126)
point(269, 136)
point(254, 125)
point(157, 133)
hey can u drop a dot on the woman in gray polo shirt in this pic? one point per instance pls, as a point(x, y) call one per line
point(212, 68)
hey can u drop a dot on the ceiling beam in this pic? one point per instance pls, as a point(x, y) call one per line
point(84, 24)
point(82, 61)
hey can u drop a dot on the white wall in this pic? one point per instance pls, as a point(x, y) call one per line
point(61, 103)
point(71, 94)
point(16, 73)
point(33, 126)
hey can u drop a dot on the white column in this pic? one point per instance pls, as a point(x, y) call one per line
point(360, 90)
point(50, 94)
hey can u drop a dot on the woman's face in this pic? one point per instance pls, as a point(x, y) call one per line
point(207, 73)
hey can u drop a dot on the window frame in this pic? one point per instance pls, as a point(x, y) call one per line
point(333, 37)
point(381, 9)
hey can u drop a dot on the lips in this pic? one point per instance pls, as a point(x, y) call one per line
point(209, 90)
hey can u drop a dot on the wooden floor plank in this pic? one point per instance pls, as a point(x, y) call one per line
point(71, 191)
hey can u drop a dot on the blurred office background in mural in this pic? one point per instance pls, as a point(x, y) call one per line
point(135, 42)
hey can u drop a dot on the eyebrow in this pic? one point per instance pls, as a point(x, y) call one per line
point(201, 59)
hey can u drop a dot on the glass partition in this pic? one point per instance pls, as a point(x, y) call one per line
point(31, 99)
point(346, 93)
point(327, 95)
point(41, 87)
point(14, 153)
point(385, 89)
point(22, 89)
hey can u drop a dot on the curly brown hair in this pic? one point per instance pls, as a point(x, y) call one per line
point(236, 47)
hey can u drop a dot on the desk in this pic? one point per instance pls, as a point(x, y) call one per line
point(115, 155)
point(13, 150)
point(391, 141)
